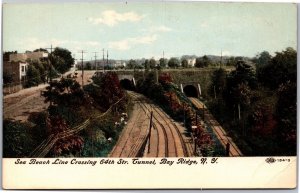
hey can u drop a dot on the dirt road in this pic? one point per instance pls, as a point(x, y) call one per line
point(19, 105)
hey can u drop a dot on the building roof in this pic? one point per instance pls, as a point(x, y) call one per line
point(30, 55)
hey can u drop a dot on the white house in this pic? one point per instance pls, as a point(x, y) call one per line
point(191, 62)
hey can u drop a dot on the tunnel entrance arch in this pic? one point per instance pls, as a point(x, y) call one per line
point(190, 91)
point(127, 84)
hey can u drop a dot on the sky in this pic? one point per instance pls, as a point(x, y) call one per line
point(146, 30)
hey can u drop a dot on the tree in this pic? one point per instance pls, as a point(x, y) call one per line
point(202, 62)
point(66, 93)
point(138, 66)
point(231, 61)
point(69, 103)
point(152, 63)
point(109, 90)
point(281, 68)
point(131, 64)
point(206, 61)
point(163, 62)
point(286, 113)
point(41, 67)
point(262, 59)
point(239, 84)
point(218, 84)
point(33, 77)
point(184, 63)
point(243, 73)
point(61, 59)
point(165, 78)
point(88, 66)
point(66, 97)
point(241, 94)
point(150, 88)
point(199, 63)
point(53, 73)
point(17, 139)
point(147, 65)
point(262, 119)
point(173, 63)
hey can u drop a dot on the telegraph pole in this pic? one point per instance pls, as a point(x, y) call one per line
point(74, 62)
point(50, 70)
point(221, 59)
point(106, 57)
point(103, 61)
point(164, 58)
point(95, 60)
point(82, 71)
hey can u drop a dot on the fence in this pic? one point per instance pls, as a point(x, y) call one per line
point(11, 88)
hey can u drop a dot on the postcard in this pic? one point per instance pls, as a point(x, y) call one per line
point(152, 95)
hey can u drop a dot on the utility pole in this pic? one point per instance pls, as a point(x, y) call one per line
point(106, 57)
point(50, 58)
point(95, 60)
point(74, 61)
point(103, 61)
point(164, 59)
point(221, 59)
point(82, 70)
point(50, 70)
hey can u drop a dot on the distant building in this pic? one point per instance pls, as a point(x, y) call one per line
point(23, 57)
point(119, 63)
point(16, 69)
point(16, 64)
point(191, 62)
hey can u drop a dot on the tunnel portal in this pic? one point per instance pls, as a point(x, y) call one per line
point(127, 84)
point(190, 91)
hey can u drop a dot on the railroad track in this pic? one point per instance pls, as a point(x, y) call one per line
point(234, 151)
point(166, 139)
point(132, 136)
point(159, 143)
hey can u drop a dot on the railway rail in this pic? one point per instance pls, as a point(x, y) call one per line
point(225, 140)
point(164, 139)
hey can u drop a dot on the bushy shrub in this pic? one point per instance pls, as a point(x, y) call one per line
point(107, 90)
point(17, 139)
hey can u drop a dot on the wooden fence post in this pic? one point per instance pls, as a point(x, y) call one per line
point(150, 131)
